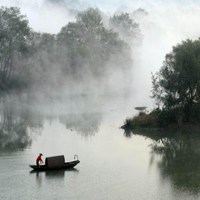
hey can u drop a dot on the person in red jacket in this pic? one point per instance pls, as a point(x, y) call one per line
point(39, 159)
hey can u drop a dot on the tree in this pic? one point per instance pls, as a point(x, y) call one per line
point(89, 45)
point(43, 61)
point(177, 84)
point(15, 37)
point(126, 27)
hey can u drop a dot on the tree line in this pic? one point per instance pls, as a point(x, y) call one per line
point(86, 49)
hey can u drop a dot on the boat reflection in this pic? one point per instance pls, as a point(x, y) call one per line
point(52, 175)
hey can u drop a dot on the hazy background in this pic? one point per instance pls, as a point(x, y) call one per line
point(167, 23)
point(88, 125)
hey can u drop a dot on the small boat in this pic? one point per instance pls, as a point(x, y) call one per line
point(55, 163)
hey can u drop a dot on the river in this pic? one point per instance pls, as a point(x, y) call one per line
point(113, 165)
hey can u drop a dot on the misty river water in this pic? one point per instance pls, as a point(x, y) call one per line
point(113, 165)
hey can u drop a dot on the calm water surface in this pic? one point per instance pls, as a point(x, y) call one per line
point(113, 164)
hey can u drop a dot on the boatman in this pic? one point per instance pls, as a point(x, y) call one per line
point(39, 159)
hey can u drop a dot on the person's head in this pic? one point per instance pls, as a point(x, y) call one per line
point(41, 154)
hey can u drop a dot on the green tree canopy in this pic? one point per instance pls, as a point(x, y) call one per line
point(177, 84)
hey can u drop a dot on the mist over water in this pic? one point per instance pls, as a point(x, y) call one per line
point(165, 26)
point(167, 23)
point(85, 119)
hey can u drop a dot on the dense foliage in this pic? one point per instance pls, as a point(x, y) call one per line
point(176, 90)
point(177, 85)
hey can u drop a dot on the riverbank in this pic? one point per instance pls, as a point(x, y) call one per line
point(159, 121)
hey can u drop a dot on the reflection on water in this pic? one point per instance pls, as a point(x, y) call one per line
point(55, 176)
point(53, 173)
point(180, 160)
point(112, 167)
point(177, 156)
point(86, 124)
point(21, 122)
point(60, 173)
point(16, 126)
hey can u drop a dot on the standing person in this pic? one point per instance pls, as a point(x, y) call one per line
point(39, 159)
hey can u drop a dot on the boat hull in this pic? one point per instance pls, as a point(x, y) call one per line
point(67, 165)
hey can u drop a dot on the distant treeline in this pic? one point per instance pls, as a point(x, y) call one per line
point(88, 49)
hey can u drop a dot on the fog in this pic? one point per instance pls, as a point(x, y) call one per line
point(167, 23)
point(78, 106)
point(43, 15)
point(164, 27)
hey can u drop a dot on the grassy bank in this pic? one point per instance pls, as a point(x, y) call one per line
point(162, 119)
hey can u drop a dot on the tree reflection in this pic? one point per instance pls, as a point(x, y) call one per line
point(86, 124)
point(180, 160)
point(22, 119)
point(16, 126)
point(179, 156)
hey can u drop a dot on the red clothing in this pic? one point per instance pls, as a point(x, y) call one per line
point(39, 158)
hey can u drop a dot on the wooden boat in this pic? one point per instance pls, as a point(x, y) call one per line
point(67, 165)
point(55, 163)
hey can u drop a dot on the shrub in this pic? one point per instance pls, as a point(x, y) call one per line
point(141, 121)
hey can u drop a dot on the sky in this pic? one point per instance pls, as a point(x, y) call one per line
point(47, 17)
